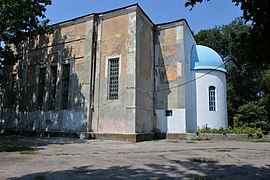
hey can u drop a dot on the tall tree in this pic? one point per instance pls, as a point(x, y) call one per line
point(257, 12)
point(247, 87)
point(19, 19)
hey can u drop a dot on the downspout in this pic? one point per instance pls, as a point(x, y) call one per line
point(154, 75)
point(93, 72)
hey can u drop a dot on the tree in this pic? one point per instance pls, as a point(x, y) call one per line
point(247, 84)
point(251, 114)
point(258, 13)
point(20, 19)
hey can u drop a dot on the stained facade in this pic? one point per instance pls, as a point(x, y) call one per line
point(114, 73)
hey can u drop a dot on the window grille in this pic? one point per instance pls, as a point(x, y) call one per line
point(52, 87)
point(113, 78)
point(41, 88)
point(65, 86)
point(212, 98)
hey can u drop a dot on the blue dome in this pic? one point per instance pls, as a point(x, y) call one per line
point(203, 57)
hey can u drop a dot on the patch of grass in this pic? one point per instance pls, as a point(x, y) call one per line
point(66, 154)
point(162, 156)
point(202, 160)
point(121, 152)
point(21, 149)
point(29, 152)
point(190, 142)
point(262, 140)
point(200, 139)
point(256, 140)
point(226, 149)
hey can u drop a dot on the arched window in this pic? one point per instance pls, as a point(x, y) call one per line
point(212, 98)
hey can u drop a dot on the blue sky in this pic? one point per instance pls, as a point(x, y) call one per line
point(203, 16)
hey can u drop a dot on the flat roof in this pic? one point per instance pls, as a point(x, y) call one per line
point(166, 24)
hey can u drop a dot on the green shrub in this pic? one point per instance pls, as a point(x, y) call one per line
point(252, 115)
point(236, 130)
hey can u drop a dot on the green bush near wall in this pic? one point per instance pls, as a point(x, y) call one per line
point(236, 130)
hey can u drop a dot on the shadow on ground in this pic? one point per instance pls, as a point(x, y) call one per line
point(168, 169)
point(189, 170)
point(37, 141)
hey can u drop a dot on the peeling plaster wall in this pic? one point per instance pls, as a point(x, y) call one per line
point(169, 68)
point(70, 43)
point(170, 76)
point(116, 40)
point(154, 75)
point(144, 75)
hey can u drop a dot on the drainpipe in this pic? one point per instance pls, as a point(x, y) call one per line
point(154, 74)
point(93, 71)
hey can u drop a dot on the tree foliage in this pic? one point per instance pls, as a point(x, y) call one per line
point(257, 12)
point(251, 114)
point(247, 49)
point(248, 85)
point(19, 19)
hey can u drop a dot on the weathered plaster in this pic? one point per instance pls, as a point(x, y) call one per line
point(169, 68)
point(144, 75)
point(44, 51)
point(154, 77)
point(114, 40)
point(114, 36)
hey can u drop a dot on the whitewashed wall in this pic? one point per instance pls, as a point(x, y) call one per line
point(213, 119)
point(171, 124)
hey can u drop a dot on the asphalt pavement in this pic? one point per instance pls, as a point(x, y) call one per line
point(63, 158)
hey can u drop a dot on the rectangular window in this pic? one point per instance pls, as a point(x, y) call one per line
point(41, 88)
point(52, 87)
point(113, 78)
point(212, 98)
point(65, 86)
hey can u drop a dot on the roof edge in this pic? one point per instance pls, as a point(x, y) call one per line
point(211, 69)
point(174, 23)
point(92, 14)
point(144, 13)
point(156, 26)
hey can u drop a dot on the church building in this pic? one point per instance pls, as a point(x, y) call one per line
point(115, 75)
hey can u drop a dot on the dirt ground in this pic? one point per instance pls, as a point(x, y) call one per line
point(62, 158)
